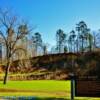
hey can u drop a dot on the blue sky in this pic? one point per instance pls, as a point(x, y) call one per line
point(50, 15)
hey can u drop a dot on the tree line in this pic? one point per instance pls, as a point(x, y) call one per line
point(17, 43)
point(81, 39)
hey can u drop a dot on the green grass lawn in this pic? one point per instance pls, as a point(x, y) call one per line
point(38, 85)
point(39, 88)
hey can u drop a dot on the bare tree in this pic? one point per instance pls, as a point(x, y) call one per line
point(96, 39)
point(61, 40)
point(45, 48)
point(37, 42)
point(11, 31)
point(71, 41)
point(83, 36)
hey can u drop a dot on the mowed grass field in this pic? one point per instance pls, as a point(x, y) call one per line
point(40, 89)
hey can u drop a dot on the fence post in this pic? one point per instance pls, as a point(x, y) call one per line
point(72, 86)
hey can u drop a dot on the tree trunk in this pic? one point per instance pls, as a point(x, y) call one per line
point(6, 73)
point(90, 46)
point(77, 45)
point(82, 45)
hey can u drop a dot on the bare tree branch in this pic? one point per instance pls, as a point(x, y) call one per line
point(4, 38)
point(18, 49)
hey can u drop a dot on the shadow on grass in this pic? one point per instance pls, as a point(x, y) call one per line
point(86, 98)
point(30, 98)
point(46, 98)
point(61, 98)
point(39, 98)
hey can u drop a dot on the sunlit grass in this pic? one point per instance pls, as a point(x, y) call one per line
point(40, 89)
point(41, 85)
